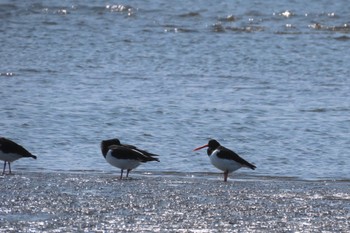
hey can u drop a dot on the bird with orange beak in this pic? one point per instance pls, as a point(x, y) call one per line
point(224, 159)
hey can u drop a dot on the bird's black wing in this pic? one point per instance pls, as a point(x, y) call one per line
point(8, 146)
point(146, 153)
point(231, 155)
point(123, 152)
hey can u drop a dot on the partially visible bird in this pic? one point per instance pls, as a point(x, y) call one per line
point(11, 151)
point(124, 156)
point(224, 159)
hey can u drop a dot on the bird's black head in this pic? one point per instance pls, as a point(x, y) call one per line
point(213, 144)
point(105, 144)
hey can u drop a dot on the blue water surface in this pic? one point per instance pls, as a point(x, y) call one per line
point(269, 80)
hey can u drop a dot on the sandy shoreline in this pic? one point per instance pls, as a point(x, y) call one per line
point(70, 202)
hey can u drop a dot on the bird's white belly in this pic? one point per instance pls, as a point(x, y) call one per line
point(9, 157)
point(122, 163)
point(224, 164)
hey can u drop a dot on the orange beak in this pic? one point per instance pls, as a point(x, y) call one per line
point(201, 147)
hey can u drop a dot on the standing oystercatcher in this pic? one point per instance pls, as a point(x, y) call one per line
point(124, 156)
point(224, 159)
point(11, 151)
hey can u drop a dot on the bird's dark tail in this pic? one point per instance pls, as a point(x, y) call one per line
point(31, 156)
point(154, 159)
point(149, 158)
point(251, 166)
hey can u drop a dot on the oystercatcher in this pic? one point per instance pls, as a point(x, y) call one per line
point(124, 156)
point(11, 151)
point(224, 159)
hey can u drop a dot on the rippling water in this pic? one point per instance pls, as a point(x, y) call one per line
point(267, 79)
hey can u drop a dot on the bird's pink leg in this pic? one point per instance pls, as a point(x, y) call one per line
point(121, 174)
point(127, 172)
point(3, 171)
point(225, 176)
point(9, 168)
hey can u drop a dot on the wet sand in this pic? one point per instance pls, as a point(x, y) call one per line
point(86, 202)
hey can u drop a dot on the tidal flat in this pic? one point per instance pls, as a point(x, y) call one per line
point(99, 202)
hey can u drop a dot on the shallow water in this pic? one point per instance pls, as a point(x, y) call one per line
point(84, 202)
point(268, 80)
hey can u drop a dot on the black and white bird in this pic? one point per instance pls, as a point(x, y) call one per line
point(11, 151)
point(224, 159)
point(123, 156)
